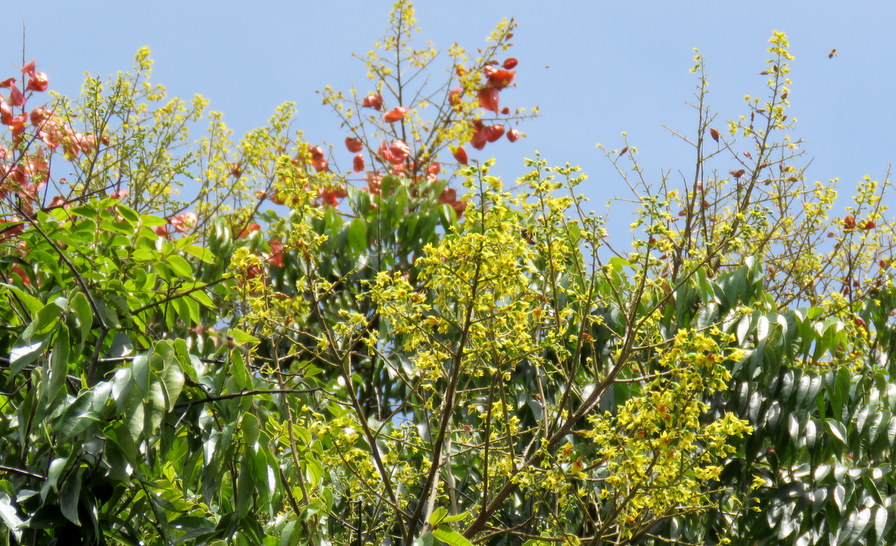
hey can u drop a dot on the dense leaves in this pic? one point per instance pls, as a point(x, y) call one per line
point(409, 351)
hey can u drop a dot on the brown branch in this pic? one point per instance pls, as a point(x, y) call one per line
point(190, 403)
point(20, 472)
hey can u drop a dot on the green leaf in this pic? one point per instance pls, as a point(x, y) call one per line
point(58, 366)
point(203, 254)
point(241, 338)
point(140, 372)
point(203, 298)
point(880, 521)
point(314, 468)
point(455, 517)
point(77, 417)
point(838, 495)
point(25, 353)
point(31, 303)
point(249, 428)
point(173, 380)
point(148, 220)
point(436, 517)
point(450, 536)
point(10, 516)
point(53, 474)
point(245, 487)
point(239, 371)
point(180, 266)
point(83, 314)
point(69, 496)
point(357, 236)
point(837, 430)
point(425, 540)
point(128, 214)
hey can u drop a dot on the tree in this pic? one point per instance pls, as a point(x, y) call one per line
point(287, 356)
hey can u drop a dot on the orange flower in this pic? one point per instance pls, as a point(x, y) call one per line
point(374, 101)
point(395, 114)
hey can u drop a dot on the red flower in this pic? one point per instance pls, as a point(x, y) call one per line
point(161, 231)
point(460, 155)
point(499, 79)
point(17, 270)
point(513, 135)
point(480, 135)
point(5, 111)
point(510, 62)
point(17, 125)
point(395, 114)
point(29, 68)
point(332, 195)
point(354, 145)
point(16, 97)
point(39, 116)
point(120, 194)
point(488, 98)
point(318, 160)
point(374, 180)
point(358, 163)
point(448, 196)
point(249, 230)
point(277, 255)
point(396, 152)
point(433, 170)
point(7, 231)
point(373, 101)
point(494, 132)
point(37, 82)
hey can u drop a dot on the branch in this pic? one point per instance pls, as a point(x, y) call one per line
point(20, 472)
point(190, 403)
point(177, 296)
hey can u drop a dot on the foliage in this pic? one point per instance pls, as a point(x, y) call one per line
point(286, 353)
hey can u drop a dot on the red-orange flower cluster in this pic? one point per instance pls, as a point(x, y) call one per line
point(318, 160)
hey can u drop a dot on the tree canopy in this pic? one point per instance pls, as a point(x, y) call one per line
point(210, 341)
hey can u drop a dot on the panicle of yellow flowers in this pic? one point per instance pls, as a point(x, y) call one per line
point(657, 452)
point(475, 280)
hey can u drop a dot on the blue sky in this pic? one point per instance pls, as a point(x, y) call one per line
point(594, 68)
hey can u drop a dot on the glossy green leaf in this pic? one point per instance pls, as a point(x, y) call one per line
point(32, 304)
point(70, 496)
point(10, 516)
point(449, 536)
point(241, 338)
point(58, 366)
point(837, 430)
point(83, 314)
point(179, 266)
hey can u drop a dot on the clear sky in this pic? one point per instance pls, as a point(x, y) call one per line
point(595, 68)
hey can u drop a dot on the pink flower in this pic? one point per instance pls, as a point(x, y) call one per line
point(184, 221)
